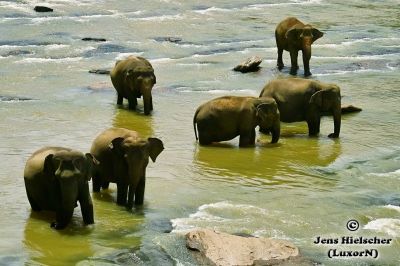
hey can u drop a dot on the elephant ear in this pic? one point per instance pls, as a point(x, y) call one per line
point(316, 98)
point(156, 146)
point(48, 166)
point(116, 145)
point(293, 34)
point(154, 77)
point(316, 34)
point(92, 164)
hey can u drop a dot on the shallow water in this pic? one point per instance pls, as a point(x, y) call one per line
point(298, 189)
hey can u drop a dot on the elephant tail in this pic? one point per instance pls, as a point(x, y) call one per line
point(194, 123)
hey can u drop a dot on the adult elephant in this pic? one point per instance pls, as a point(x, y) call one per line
point(305, 100)
point(123, 157)
point(133, 78)
point(226, 117)
point(55, 179)
point(293, 36)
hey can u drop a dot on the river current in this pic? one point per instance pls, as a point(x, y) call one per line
point(298, 189)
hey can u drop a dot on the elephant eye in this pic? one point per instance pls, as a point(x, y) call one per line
point(77, 163)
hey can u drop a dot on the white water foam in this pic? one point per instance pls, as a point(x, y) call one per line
point(394, 174)
point(215, 214)
point(294, 2)
point(392, 207)
point(388, 226)
point(48, 60)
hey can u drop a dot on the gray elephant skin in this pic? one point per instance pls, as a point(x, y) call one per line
point(227, 117)
point(133, 78)
point(123, 157)
point(305, 100)
point(55, 179)
point(293, 36)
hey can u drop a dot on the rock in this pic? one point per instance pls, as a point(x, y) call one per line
point(250, 65)
point(168, 39)
point(43, 9)
point(346, 109)
point(216, 248)
point(87, 39)
point(100, 71)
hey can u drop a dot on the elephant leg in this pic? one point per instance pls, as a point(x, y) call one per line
point(293, 58)
point(139, 193)
point(132, 103)
point(105, 185)
point(35, 207)
point(122, 190)
point(247, 138)
point(151, 103)
point(85, 201)
point(63, 217)
point(119, 99)
point(313, 127)
point(96, 183)
point(131, 194)
point(205, 138)
point(280, 60)
point(265, 131)
point(306, 63)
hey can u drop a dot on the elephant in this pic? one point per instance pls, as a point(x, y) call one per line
point(56, 178)
point(123, 157)
point(226, 117)
point(132, 78)
point(293, 35)
point(305, 100)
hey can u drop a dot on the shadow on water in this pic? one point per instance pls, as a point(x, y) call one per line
point(289, 163)
point(133, 120)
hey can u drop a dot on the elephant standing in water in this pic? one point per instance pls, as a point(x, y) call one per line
point(293, 35)
point(305, 100)
point(55, 179)
point(123, 158)
point(132, 78)
point(226, 117)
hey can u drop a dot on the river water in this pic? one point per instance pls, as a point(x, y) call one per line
point(298, 189)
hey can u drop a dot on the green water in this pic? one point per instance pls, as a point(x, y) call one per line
point(297, 189)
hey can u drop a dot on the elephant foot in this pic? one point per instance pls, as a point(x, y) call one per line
point(333, 135)
point(293, 71)
point(280, 66)
point(307, 73)
point(57, 226)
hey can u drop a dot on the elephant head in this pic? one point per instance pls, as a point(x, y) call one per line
point(328, 99)
point(141, 81)
point(303, 37)
point(268, 116)
point(130, 159)
point(70, 172)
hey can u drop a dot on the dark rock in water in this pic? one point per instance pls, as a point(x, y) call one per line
point(43, 9)
point(5, 98)
point(100, 71)
point(87, 39)
point(109, 48)
point(250, 65)
point(17, 52)
point(346, 109)
point(168, 39)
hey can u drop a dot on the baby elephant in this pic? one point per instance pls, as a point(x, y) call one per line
point(123, 157)
point(306, 100)
point(55, 179)
point(132, 78)
point(226, 117)
point(293, 35)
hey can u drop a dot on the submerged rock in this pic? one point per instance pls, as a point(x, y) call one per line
point(43, 9)
point(216, 248)
point(87, 39)
point(100, 71)
point(250, 65)
point(346, 109)
point(168, 39)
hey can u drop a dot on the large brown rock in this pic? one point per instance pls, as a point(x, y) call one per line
point(216, 248)
point(249, 65)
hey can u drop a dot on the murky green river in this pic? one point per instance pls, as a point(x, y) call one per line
point(298, 189)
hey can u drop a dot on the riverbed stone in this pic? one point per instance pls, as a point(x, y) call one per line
point(100, 71)
point(90, 39)
point(43, 9)
point(218, 248)
point(346, 109)
point(251, 64)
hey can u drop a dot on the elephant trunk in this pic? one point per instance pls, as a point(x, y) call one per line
point(147, 98)
point(135, 174)
point(337, 117)
point(307, 55)
point(68, 189)
point(276, 131)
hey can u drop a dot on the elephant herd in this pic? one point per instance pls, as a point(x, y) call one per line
point(56, 178)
